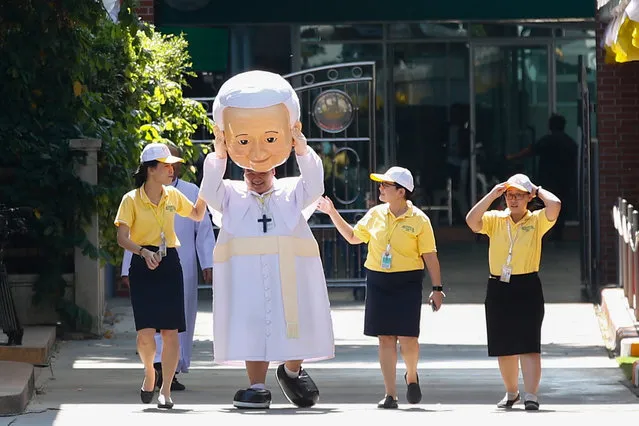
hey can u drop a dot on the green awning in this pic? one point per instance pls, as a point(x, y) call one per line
point(208, 47)
point(209, 12)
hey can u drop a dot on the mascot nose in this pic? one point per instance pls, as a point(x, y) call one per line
point(258, 154)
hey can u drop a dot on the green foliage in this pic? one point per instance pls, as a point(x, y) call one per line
point(135, 97)
point(69, 72)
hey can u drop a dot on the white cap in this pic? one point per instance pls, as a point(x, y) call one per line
point(520, 182)
point(397, 175)
point(255, 89)
point(159, 152)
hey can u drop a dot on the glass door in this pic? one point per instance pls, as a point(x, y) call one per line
point(430, 90)
point(509, 109)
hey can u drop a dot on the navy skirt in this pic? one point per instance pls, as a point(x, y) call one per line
point(514, 314)
point(393, 303)
point(157, 296)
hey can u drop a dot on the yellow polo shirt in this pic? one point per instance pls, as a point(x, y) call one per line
point(526, 234)
point(410, 235)
point(146, 220)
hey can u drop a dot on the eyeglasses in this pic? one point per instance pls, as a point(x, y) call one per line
point(388, 185)
point(515, 195)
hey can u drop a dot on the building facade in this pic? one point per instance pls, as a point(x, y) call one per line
point(438, 71)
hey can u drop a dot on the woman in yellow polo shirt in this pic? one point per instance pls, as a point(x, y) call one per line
point(400, 241)
point(514, 297)
point(145, 227)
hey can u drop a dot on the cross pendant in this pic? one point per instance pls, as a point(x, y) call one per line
point(265, 220)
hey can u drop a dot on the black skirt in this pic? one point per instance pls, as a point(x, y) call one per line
point(393, 303)
point(157, 296)
point(514, 314)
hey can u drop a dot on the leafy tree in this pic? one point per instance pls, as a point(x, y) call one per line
point(69, 72)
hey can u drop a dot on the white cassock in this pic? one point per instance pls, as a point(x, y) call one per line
point(196, 242)
point(270, 301)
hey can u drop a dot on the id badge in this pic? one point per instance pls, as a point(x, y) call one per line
point(162, 250)
point(386, 260)
point(506, 272)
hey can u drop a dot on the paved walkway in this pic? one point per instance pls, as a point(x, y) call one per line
point(99, 379)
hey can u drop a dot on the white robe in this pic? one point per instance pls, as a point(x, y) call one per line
point(194, 237)
point(248, 306)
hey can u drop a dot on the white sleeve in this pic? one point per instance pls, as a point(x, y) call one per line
point(310, 186)
point(213, 188)
point(126, 263)
point(205, 242)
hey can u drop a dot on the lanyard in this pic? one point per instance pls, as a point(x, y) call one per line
point(390, 233)
point(512, 242)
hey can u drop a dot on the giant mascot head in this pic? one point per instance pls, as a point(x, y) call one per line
point(256, 111)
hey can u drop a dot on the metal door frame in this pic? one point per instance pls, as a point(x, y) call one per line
point(332, 77)
point(490, 42)
point(305, 80)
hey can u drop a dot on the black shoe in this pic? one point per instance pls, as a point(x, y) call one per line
point(252, 398)
point(508, 403)
point(414, 392)
point(15, 337)
point(387, 402)
point(531, 405)
point(301, 390)
point(146, 396)
point(164, 403)
point(177, 386)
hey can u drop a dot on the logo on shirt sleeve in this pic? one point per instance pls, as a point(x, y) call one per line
point(171, 208)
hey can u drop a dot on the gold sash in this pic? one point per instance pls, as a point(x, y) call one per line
point(287, 248)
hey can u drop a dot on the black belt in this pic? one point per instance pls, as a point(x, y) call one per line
point(529, 274)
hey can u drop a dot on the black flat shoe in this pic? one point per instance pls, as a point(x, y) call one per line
point(164, 403)
point(146, 396)
point(414, 392)
point(388, 402)
point(531, 405)
point(508, 403)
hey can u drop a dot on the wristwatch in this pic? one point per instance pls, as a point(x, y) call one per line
point(438, 288)
point(140, 251)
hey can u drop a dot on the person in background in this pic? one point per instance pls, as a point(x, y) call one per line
point(514, 301)
point(197, 241)
point(557, 169)
point(400, 242)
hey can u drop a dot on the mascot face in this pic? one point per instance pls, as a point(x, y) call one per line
point(257, 110)
point(258, 138)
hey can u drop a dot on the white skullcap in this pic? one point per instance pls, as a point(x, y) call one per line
point(256, 89)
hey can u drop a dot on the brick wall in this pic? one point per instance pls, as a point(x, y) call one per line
point(146, 10)
point(618, 134)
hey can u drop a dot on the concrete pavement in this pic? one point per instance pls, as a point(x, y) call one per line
point(99, 380)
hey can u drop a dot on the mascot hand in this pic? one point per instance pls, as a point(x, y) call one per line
point(219, 144)
point(299, 141)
